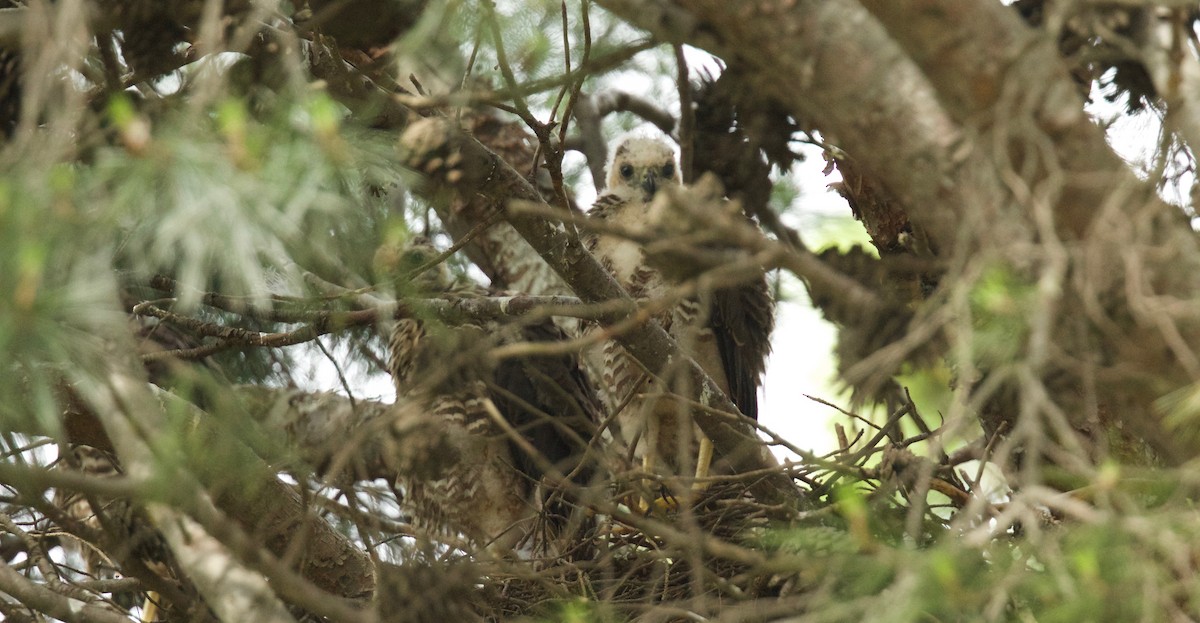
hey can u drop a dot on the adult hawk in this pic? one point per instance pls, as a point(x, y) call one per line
point(726, 331)
point(502, 427)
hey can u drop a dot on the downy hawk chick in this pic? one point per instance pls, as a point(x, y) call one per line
point(725, 330)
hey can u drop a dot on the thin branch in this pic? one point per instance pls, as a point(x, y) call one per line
point(452, 311)
point(228, 337)
point(58, 606)
point(340, 374)
point(36, 554)
point(577, 85)
point(489, 9)
point(687, 116)
point(566, 40)
point(590, 140)
point(615, 100)
point(844, 412)
point(473, 98)
point(483, 226)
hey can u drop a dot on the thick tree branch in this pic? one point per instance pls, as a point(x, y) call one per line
point(230, 589)
point(831, 64)
point(994, 59)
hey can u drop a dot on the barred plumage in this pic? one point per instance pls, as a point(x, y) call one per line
point(476, 492)
point(485, 487)
point(726, 331)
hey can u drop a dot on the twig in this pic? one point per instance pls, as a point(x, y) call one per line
point(916, 414)
point(472, 98)
point(566, 40)
point(483, 226)
point(338, 368)
point(58, 606)
point(35, 553)
point(577, 85)
point(230, 337)
point(489, 9)
point(32, 445)
point(873, 442)
point(477, 39)
point(559, 149)
point(843, 411)
point(775, 439)
point(987, 451)
point(843, 440)
point(687, 116)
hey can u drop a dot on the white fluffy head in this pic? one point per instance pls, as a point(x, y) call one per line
point(641, 165)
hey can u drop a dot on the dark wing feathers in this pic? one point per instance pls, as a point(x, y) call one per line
point(605, 205)
point(551, 402)
point(742, 319)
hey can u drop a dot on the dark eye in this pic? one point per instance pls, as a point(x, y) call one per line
point(669, 170)
point(626, 171)
point(412, 258)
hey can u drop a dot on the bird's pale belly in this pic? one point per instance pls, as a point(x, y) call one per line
point(624, 255)
point(666, 424)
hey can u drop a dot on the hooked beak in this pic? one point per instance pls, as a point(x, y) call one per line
point(650, 184)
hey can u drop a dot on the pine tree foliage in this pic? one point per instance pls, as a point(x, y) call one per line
point(201, 203)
